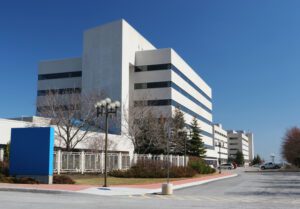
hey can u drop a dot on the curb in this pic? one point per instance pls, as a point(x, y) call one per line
point(192, 184)
point(31, 190)
point(203, 182)
point(273, 171)
point(152, 191)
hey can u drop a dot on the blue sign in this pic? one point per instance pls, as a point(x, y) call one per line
point(31, 151)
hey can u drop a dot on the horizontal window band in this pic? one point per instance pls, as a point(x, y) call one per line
point(190, 112)
point(145, 68)
point(151, 85)
point(166, 102)
point(174, 86)
point(222, 153)
point(169, 66)
point(162, 102)
point(58, 108)
point(209, 147)
point(202, 132)
point(60, 75)
point(59, 91)
point(167, 84)
point(184, 77)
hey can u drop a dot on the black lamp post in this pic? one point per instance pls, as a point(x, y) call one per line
point(185, 131)
point(220, 144)
point(106, 107)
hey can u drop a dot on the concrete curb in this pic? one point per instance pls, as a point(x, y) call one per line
point(202, 182)
point(150, 191)
point(273, 171)
point(31, 190)
point(192, 184)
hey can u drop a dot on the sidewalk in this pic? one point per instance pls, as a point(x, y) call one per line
point(140, 189)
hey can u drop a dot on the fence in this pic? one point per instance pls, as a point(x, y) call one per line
point(88, 162)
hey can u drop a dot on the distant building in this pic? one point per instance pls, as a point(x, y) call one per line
point(241, 141)
point(220, 137)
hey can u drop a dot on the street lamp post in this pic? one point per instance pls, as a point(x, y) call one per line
point(106, 107)
point(185, 131)
point(220, 144)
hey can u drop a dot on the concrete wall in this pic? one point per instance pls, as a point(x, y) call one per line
point(93, 140)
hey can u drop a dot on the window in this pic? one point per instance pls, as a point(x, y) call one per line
point(152, 85)
point(152, 67)
point(59, 91)
point(162, 102)
point(60, 75)
point(169, 66)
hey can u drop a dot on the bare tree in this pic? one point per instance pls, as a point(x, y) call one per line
point(143, 125)
point(73, 114)
point(291, 146)
point(97, 142)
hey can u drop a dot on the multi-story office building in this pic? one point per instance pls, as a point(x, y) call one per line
point(240, 141)
point(221, 142)
point(118, 60)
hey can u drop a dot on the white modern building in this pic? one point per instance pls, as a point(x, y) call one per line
point(241, 141)
point(119, 61)
point(221, 142)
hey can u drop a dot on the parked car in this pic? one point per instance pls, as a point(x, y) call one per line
point(269, 165)
point(228, 166)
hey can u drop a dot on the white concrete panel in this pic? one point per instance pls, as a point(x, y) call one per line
point(153, 57)
point(6, 126)
point(152, 94)
point(132, 41)
point(60, 83)
point(60, 66)
point(152, 76)
point(102, 60)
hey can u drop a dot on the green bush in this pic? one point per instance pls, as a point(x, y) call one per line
point(5, 179)
point(25, 180)
point(200, 166)
point(14, 180)
point(63, 179)
point(153, 169)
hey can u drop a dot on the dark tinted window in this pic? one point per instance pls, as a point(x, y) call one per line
point(60, 75)
point(161, 102)
point(153, 67)
point(151, 85)
point(59, 91)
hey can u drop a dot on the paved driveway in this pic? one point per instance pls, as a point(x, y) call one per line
point(249, 190)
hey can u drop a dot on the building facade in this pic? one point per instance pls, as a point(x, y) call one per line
point(241, 141)
point(119, 61)
point(221, 139)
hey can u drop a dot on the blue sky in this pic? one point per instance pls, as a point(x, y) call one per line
point(247, 51)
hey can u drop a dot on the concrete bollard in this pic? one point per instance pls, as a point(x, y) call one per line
point(167, 189)
point(1, 154)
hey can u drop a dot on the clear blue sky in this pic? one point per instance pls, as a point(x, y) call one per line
point(247, 51)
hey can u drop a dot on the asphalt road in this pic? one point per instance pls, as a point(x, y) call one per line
point(248, 190)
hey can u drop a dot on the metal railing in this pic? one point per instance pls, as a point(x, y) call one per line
point(89, 162)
